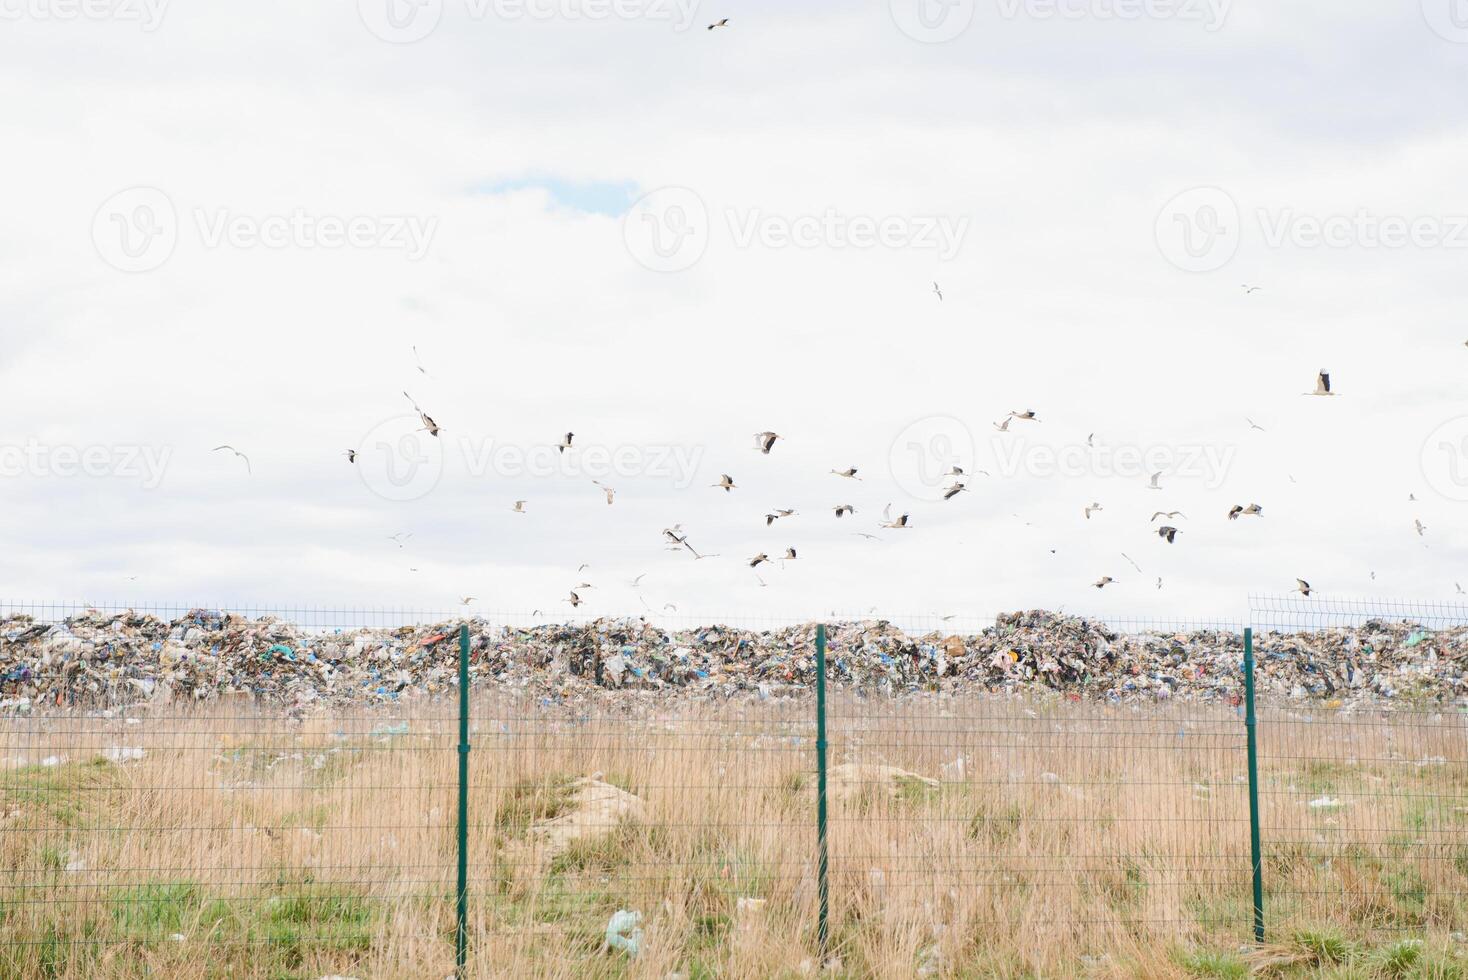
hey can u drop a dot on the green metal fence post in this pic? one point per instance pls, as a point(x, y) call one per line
point(1254, 846)
point(461, 903)
point(823, 886)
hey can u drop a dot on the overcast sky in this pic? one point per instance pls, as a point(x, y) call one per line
point(232, 224)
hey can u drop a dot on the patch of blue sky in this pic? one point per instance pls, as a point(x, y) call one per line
point(610, 198)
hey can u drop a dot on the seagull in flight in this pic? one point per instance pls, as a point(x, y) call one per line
point(606, 490)
point(465, 600)
point(775, 515)
point(849, 473)
point(950, 492)
point(1250, 289)
point(519, 507)
point(765, 441)
point(1090, 509)
point(1002, 426)
point(1419, 525)
point(1254, 425)
point(726, 482)
point(1302, 586)
point(1028, 415)
point(400, 537)
point(430, 426)
point(755, 561)
point(869, 537)
point(1134, 564)
point(1103, 581)
point(565, 443)
point(575, 600)
point(721, 22)
point(351, 455)
point(1170, 515)
point(237, 453)
point(789, 554)
point(419, 361)
point(938, 291)
point(637, 582)
point(1167, 533)
point(1153, 484)
point(843, 509)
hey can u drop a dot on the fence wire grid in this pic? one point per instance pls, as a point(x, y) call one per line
point(1002, 796)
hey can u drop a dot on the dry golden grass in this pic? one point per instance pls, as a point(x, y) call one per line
point(1002, 839)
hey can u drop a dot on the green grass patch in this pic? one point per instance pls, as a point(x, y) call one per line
point(68, 793)
point(1208, 963)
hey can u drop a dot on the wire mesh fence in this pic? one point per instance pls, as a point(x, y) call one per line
point(967, 823)
point(1363, 771)
point(276, 797)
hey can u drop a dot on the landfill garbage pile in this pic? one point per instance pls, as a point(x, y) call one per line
point(114, 659)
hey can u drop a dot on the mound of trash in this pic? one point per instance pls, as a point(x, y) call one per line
point(114, 659)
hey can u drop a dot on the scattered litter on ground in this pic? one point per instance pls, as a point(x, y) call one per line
point(624, 932)
point(134, 661)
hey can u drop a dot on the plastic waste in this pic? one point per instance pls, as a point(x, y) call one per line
point(624, 932)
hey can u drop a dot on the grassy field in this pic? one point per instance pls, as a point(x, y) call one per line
point(974, 838)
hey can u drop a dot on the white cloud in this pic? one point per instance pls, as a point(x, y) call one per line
point(1053, 142)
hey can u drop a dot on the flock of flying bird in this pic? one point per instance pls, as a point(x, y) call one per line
point(675, 538)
